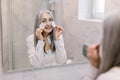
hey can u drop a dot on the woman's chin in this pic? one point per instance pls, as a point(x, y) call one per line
point(48, 31)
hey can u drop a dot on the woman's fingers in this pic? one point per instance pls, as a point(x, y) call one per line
point(59, 28)
point(93, 51)
point(93, 55)
point(38, 33)
point(58, 31)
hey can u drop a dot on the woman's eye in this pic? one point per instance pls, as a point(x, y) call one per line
point(43, 21)
point(50, 19)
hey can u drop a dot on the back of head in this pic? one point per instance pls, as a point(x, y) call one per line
point(110, 43)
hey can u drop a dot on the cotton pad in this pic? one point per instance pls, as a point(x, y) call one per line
point(53, 24)
point(42, 25)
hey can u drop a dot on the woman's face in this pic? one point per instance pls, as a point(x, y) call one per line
point(47, 20)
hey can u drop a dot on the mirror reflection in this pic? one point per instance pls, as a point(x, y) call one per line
point(46, 45)
point(44, 33)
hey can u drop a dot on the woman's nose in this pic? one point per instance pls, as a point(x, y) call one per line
point(48, 23)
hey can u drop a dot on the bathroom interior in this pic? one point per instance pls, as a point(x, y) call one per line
point(82, 23)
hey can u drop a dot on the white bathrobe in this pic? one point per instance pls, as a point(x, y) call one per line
point(38, 57)
point(112, 74)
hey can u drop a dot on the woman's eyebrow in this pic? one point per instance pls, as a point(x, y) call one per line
point(43, 19)
point(51, 19)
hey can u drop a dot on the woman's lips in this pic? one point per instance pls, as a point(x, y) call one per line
point(48, 27)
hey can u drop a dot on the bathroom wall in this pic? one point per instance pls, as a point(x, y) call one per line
point(78, 31)
point(112, 5)
point(69, 72)
point(0, 46)
point(18, 21)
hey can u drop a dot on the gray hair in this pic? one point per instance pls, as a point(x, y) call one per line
point(38, 17)
point(110, 43)
point(36, 25)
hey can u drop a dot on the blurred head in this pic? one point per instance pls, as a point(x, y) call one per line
point(111, 43)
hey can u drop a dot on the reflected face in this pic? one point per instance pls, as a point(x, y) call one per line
point(47, 20)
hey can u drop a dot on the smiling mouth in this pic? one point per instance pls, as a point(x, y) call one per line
point(48, 27)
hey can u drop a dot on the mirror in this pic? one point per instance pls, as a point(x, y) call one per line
point(18, 19)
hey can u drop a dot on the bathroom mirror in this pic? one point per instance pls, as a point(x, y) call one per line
point(18, 17)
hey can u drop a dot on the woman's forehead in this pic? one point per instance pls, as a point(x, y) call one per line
point(45, 15)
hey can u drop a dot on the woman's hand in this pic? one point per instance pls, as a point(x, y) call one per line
point(38, 34)
point(93, 55)
point(58, 31)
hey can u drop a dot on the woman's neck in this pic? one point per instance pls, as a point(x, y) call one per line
point(45, 35)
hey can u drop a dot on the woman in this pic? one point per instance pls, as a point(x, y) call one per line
point(46, 45)
point(106, 61)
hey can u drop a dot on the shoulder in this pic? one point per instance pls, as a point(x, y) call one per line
point(30, 37)
point(112, 74)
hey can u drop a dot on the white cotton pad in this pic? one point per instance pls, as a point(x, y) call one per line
point(53, 24)
point(42, 25)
